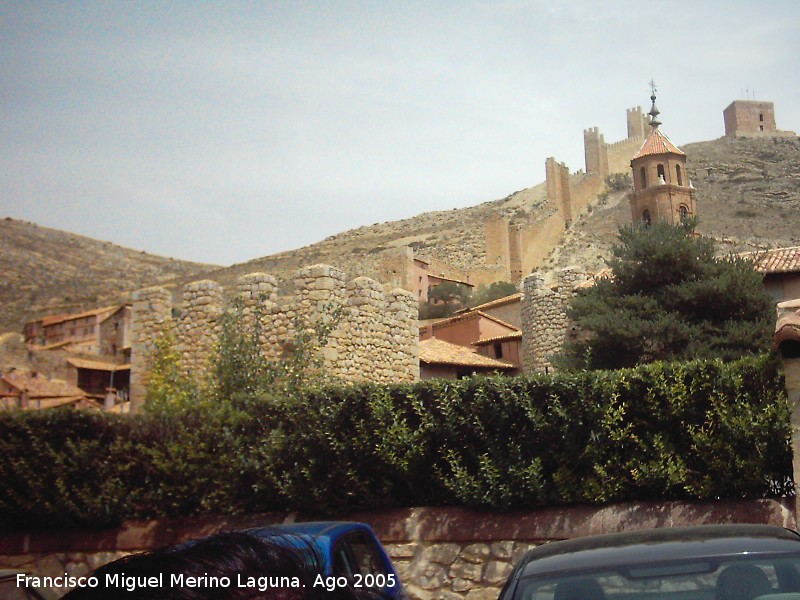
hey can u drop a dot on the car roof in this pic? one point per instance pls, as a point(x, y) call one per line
point(316, 529)
point(320, 535)
point(658, 545)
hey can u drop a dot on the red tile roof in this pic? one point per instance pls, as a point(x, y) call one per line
point(657, 143)
point(39, 387)
point(439, 352)
point(499, 338)
point(495, 303)
point(779, 260)
point(52, 320)
point(472, 314)
point(97, 365)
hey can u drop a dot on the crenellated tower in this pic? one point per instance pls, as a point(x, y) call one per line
point(661, 186)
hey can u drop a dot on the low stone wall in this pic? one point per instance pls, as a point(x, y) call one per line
point(440, 553)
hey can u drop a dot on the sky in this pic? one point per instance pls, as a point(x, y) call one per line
point(222, 131)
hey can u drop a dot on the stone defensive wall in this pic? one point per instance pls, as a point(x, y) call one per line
point(545, 326)
point(440, 553)
point(620, 154)
point(375, 337)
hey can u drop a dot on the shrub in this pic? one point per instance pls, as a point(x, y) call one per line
point(695, 430)
point(670, 298)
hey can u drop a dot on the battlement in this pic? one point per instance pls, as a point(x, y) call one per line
point(375, 337)
point(637, 123)
point(595, 152)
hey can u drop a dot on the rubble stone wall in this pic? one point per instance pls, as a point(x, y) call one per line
point(545, 325)
point(374, 336)
point(446, 553)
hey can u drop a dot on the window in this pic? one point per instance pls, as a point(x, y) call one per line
point(661, 171)
point(761, 117)
point(683, 211)
point(678, 174)
point(761, 128)
point(646, 218)
point(643, 173)
point(498, 350)
point(356, 554)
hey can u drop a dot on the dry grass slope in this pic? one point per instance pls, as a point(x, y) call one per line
point(46, 271)
point(748, 198)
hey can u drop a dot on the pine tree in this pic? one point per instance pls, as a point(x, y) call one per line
point(669, 298)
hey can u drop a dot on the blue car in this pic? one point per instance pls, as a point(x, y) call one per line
point(350, 554)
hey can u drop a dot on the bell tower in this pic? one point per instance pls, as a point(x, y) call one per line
point(661, 187)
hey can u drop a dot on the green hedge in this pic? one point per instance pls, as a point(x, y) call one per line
point(699, 430)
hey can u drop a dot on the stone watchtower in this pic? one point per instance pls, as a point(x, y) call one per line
point(661, 186)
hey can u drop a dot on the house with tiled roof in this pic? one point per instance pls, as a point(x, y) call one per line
point(81, 328)
point(506, 309)
point(781, 270)
point(480, 332)
point(438, 358)
point(32, 391)
point(423, 280)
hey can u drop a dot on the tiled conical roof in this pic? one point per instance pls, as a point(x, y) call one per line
point(657, 143)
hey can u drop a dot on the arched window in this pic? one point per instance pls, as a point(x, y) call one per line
point(678, 173)
point(644, 177)
point(646, 218)
point(683, 211)
point(661, 172)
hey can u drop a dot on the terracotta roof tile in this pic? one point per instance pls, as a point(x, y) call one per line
point(39, 387)
point(471, 315)
point(779, 260)
point(97, 365)
point(439, 352)
point(495, 303)
point(657, 143)
point(499, 338)
point(89, 313)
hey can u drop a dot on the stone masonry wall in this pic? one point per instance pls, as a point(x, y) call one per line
point(375, 337)
point(443, 553)
point(546, 297)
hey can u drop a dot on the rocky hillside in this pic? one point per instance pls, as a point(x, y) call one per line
point(46, 271)
point(748, 198)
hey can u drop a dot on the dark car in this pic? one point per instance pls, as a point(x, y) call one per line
point(715, 562)
point(346, 552)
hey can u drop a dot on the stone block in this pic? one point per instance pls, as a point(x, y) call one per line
point(462, 585)
point(475, 553)
point(497, 572)
point(502, 549)
point(466, 570)
point(429, 577)
point(443, 554)
point(396, 551)
point(484, 593)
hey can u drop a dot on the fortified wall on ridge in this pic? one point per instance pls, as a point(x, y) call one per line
point(518, 248)
point(375, 338)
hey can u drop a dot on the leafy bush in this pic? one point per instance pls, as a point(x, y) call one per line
point(701, 429)
point(619, 182)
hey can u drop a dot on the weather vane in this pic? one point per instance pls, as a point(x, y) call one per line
point(653, 88)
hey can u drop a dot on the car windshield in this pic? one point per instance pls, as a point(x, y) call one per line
point(702, 579)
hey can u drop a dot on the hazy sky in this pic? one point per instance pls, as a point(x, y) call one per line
point(226, 131)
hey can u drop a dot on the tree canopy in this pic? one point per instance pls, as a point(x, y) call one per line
point(669, 297)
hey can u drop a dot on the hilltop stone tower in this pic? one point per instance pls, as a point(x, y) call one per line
point(661, 186)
